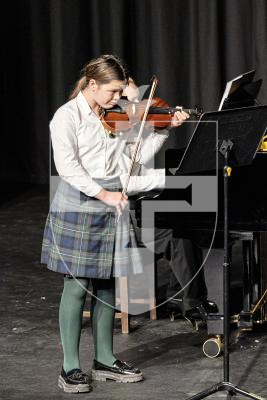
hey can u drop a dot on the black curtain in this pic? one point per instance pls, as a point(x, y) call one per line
point(193, 46)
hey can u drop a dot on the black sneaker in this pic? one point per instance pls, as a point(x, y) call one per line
point(119, 372)
point(74, 381)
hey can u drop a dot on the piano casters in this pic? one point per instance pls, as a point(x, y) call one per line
point(213, 346)
point(225, 149)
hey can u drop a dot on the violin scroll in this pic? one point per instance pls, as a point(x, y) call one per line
point(194, 112)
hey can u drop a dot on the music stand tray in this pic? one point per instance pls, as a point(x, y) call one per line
point(240, 132)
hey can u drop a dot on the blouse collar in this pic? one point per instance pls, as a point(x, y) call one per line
point(83, 103)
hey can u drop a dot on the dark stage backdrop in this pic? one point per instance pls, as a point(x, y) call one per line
point(194, 47)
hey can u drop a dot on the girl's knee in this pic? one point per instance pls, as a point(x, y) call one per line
point(76, 287)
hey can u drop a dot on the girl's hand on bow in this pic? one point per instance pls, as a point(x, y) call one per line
point(114, 199)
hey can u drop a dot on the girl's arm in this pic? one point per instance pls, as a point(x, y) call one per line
point(151, 143)
point(65, 148)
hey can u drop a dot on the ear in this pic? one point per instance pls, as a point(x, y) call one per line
point(92, 84)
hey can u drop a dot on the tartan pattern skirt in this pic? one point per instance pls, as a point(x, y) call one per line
point(83, 238)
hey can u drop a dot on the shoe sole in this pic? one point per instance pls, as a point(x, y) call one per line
point(68, 388)
point(105, 375)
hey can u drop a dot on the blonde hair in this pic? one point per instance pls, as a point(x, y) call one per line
point(103, 70)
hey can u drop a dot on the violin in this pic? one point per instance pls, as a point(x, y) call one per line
point(124, 116)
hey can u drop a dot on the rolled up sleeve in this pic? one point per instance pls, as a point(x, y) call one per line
point(154, 179)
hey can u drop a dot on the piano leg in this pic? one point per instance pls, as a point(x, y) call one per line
point(255, 282)
point(245, 316)
point(249, 267)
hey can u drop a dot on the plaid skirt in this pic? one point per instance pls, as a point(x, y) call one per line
point(83, 238)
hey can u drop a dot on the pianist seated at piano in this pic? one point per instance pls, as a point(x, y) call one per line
point(183, 255)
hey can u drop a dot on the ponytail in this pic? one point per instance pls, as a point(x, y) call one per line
point(79, 85)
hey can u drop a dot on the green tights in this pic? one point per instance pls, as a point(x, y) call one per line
point(102, 316)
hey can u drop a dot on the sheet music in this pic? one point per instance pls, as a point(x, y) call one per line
point(234, 84)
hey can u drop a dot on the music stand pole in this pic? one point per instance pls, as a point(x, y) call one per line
point(225, 150)
point(225, 385)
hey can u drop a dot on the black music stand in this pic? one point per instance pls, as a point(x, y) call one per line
point(240, 132)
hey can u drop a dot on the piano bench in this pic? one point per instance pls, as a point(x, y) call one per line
point(123, 301)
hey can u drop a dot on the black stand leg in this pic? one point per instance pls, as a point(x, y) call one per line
point(226, 385)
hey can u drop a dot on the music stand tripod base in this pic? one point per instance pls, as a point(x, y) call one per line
point(225, 386)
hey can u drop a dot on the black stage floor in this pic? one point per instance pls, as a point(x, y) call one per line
point(168, 350)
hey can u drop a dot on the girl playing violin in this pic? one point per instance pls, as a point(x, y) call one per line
point(81, 237)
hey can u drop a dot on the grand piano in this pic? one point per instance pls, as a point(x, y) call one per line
point(247, 227)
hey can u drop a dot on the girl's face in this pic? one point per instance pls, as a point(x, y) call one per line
point(108, 94)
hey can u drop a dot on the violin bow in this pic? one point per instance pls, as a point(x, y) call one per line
point(141, 130)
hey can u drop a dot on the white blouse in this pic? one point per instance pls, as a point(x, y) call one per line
point(84, 151)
